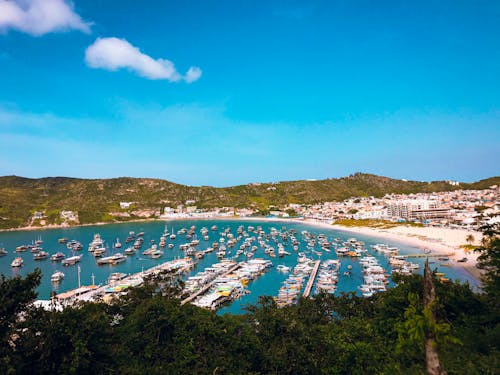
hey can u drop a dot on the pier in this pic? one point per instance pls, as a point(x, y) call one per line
point(312, 277)
point(93, 292)
point(208, 286)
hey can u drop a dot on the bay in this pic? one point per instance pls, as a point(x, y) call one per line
point(267, 284)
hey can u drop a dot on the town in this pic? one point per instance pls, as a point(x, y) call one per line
point(465, 209)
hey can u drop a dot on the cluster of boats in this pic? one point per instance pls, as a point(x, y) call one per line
point(398, 263)
point(375, 278)
point(328, 276)
point(226, 281)
point(291, 288)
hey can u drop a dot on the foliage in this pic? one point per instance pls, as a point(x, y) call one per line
point(149, 331)
point(489, 261)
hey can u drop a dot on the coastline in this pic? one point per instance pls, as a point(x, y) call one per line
point(448, 244)
point(440, 241)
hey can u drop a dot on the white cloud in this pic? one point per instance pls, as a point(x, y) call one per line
point(113, 54)
point(193, 74)
point(38, 17)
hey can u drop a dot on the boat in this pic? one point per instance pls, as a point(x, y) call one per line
point(21, 248)
point(57, 277)
point(2, 252)
point(116, 276)
point(57, 256)
point(129, 251)
point(118, 244)
point(41, 255)
point(113, 259)
point(71, 260)
point(156, 254)
point(282, 268)
point(62, 240)
point(99, 252)
point(17, 262)
point(172, 235)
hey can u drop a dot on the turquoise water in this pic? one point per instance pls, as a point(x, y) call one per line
point(267, 284)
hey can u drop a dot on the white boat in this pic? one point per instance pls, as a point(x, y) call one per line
point(113, 259)
point(57, 276)
point(41, 255)
point(57, 256)
point(130, 251)
point(282, 268)
point(17, 262)
point(71, 260)
point(116, 276)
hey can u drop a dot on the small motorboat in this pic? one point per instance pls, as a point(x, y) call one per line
point(17, 262)
point(57, 256)
point(57, 277)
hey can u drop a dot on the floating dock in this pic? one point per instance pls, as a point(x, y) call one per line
point(208, 286)
point(312, 277)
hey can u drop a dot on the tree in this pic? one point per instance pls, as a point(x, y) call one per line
point(15, 295)
point(489, 261)
point(470, 239)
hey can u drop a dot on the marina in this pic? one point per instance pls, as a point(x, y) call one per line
point(297, 258)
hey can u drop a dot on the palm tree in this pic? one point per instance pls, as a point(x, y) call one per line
point(470, 239)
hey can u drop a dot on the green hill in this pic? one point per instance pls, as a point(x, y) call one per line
point(94, 199)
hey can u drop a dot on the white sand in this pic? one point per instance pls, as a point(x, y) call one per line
point(439, 240)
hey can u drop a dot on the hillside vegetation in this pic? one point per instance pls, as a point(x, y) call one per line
point(93, 199)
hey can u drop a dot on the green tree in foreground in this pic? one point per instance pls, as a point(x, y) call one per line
point(149, 331)
point(16, 294)
point(489, 261)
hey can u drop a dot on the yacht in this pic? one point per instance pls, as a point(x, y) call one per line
point(116, 276)
point(129, 251)
point(71, 260)
point(113, 259)
point(18, 262)
point(41, 255)
point(57, 276)
point(57, 256)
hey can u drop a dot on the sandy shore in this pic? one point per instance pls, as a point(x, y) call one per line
point(438, 240)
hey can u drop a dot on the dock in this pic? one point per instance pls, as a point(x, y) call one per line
point(92, 292)
point(208, 286)
point(312, 277)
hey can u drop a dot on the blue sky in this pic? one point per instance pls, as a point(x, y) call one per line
point(230, 92)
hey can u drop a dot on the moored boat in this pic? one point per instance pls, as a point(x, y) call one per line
point(41, 255)
point(17, 262)
point(57, 256)
point(71, 260)
point(57, 277)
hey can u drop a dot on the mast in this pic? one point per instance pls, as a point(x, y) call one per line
point(79, 285)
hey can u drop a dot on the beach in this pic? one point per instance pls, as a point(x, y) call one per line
point(443, 241)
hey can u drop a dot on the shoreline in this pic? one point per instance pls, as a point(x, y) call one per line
point(415, 237)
